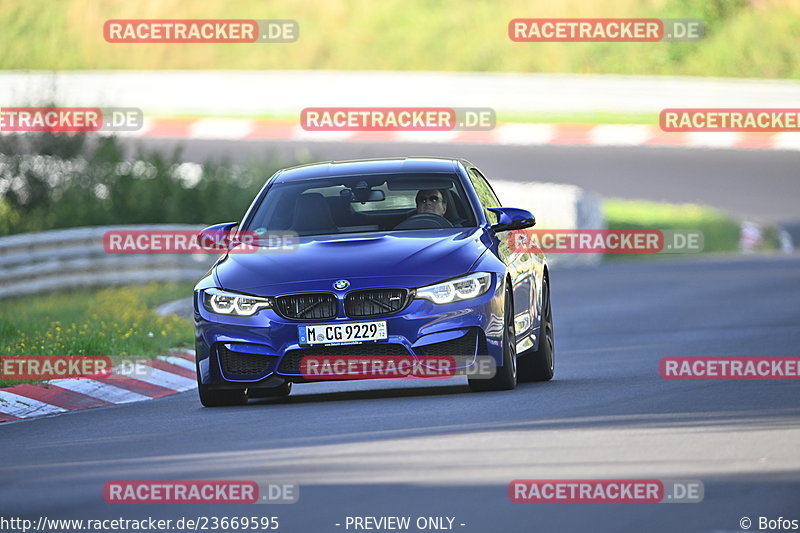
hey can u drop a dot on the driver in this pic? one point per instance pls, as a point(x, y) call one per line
point(431, 201)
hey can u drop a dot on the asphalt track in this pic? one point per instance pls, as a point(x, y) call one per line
point(432, 448)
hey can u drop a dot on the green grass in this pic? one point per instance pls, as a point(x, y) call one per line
point(114, 322)
point(720, 231)
point(744, 38)
point(580, 117)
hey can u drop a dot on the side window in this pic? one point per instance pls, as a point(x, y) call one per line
point(485, 194)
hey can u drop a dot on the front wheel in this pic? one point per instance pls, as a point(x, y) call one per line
point(505, 378)
point(218, 398)
point(539, 364)
point(221, 398)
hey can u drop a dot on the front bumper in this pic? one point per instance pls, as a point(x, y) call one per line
point(263, 350)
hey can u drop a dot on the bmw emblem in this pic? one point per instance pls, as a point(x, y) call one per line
point(341, 285)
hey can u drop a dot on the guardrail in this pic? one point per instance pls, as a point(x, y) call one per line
point(556, 206)
point(33, 263)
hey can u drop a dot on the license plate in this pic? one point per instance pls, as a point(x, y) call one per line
point(347, 332)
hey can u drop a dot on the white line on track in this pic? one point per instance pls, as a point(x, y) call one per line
point(23, 407)
point(100, 390)
point(168, 380)
point(177, 361)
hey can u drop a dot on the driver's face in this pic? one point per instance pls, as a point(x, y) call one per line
point(431, 202)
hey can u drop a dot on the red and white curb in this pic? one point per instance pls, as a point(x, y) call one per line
point(166, 375)
point(511, 134)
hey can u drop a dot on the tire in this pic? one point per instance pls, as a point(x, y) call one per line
point(539, 364)
point(219, 398)
point(505, 378)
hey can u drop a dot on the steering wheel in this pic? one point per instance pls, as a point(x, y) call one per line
point(424, 221)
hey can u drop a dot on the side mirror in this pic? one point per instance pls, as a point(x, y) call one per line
point(218, 234)
point(511, 218)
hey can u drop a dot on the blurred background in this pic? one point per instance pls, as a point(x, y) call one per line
point(577, 138)
point(744, 38)
point(577, 142)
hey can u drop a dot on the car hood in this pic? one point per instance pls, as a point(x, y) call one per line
point(398, 259)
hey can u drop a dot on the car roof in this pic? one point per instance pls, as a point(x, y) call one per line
point(400, 165)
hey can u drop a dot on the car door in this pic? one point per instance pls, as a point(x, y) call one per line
point(524, 268)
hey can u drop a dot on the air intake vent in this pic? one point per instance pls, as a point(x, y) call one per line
point(245, 365)
point(290, 364)
point(463, 346)
point(308, 306)
point(375, 302)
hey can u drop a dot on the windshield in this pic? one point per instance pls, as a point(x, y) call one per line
point(369, 203)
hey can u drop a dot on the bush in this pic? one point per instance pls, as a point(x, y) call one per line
point(52, 180)
point(720, 231)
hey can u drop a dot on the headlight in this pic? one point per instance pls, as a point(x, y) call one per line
point(233, 303)
point(455, 290)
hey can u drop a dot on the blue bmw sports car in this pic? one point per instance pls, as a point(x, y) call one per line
point(406, 257)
